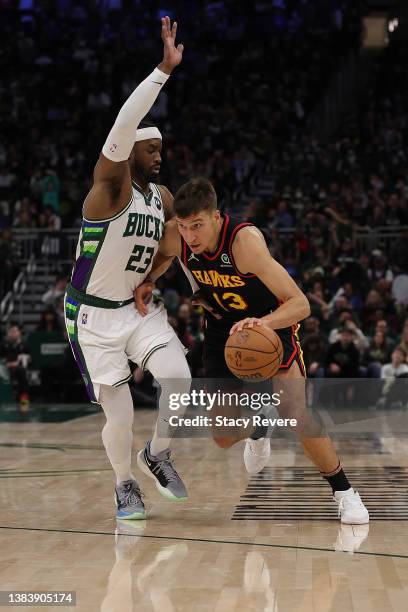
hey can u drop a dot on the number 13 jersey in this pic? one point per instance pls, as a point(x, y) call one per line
point(232, 294)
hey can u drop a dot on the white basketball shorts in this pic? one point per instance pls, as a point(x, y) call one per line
point(103, 340)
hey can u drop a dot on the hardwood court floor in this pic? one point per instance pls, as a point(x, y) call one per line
point(237, 544)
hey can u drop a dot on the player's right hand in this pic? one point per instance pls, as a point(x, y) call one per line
point(143, 295)
point(198, 300)
point(172, 55)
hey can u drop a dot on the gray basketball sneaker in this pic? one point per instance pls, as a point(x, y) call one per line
point(129, 501)
point(160, 468)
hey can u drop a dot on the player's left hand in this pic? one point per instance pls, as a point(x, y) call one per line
point(248, 322)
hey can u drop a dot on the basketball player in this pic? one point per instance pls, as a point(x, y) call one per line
point(238, 278)
point(123, 221)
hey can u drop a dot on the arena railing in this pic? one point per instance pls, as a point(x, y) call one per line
point(59, 246)
point(8, 303)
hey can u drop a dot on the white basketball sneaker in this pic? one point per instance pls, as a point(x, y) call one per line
point(352, 511)
point(256, 454)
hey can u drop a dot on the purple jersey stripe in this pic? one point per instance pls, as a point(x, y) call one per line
point(80, 274)
point(83, 369)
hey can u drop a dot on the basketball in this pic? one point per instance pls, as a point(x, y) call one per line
point(254, 354)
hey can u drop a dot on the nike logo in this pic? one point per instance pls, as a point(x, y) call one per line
point(157, 82)
point(147, 461)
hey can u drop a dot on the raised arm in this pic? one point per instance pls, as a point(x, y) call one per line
point(112, 187)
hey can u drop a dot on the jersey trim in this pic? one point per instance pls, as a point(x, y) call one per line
point(93, 260)
point(122, 381)
point(184, 251)
point(119, 214)
point(293, 354)
point(93, 300)
point(150, 353)
point(221, 244)
point(234, 233)
point(72, 309)
point(297, 352)
point(92, 238)
point(147, 198)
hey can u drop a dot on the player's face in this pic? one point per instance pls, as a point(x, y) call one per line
point(200, 231)
point(145, 159)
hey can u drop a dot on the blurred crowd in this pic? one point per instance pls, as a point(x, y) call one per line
point(65, 69)
point(237, 114)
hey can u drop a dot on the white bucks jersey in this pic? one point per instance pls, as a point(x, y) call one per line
point(115, 255)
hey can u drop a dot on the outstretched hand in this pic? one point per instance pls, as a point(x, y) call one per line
point(172, 54)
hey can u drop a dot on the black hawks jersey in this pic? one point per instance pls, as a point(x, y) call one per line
point(233, 294)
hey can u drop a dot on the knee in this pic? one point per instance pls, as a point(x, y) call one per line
point(176, 371)
point(118, 421)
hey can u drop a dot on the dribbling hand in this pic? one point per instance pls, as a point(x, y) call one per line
point(248, 322)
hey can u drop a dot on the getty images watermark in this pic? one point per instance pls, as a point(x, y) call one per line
point(226, 402)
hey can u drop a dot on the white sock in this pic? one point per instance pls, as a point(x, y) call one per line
point(158, 444)
point(117, 433)
point(169, 367)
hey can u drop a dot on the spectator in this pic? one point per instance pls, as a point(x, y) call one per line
point(9, 257)
point(49, 322)
point(383, 326)
point(342, 360)
point(49, 220)
point(359, 339)
point(403, 341)
point(53, 295)
point(394, 394)
point(379, 349)
point(16, 355)
point(314, 352)
point(50, 189)
point(398, 365)
point(283, 218)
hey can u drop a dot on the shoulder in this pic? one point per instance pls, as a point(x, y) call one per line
point(167, 199)
point(171, 241)
point(247, 240)
point(248, 232)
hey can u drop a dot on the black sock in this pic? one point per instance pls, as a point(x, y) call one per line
point(337, 479)
point(259, 431)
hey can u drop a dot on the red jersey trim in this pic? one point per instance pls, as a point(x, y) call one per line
point(234, 233)
point(293, 355)
point(184, 251)
point(221, 246)
point(297, 352)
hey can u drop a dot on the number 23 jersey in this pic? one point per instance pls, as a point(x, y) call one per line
point(115, 255)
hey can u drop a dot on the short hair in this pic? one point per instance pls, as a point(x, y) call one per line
point(195, 196)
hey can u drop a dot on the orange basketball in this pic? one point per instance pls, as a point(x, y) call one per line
point(254, 354)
